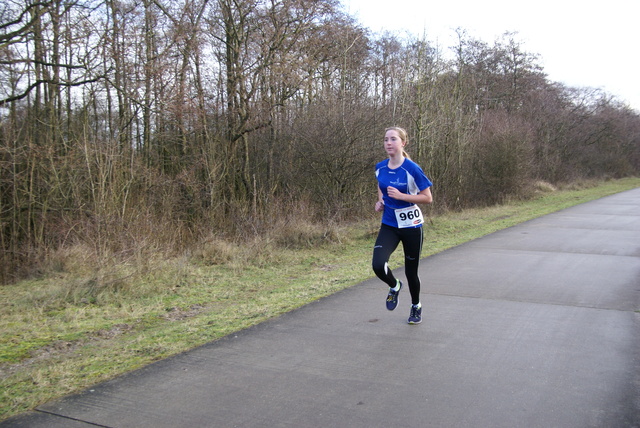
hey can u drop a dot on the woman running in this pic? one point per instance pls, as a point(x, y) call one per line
point(401, 185)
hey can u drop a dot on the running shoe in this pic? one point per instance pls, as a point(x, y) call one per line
point(392, 298)
point(416, 315)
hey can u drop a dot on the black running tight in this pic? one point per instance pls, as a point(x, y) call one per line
point(386, 243)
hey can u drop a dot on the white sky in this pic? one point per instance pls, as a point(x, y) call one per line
point(580, 43)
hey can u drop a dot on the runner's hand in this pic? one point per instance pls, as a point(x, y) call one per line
point(394, 193)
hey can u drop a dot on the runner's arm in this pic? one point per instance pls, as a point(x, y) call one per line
point(424, 197)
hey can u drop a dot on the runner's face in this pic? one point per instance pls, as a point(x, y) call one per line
point(393, 144)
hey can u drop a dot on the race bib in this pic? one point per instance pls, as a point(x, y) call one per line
point(409, 217)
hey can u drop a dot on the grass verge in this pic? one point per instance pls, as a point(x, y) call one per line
point(75, 328)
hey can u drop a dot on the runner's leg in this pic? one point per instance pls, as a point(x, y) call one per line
point(386, 243)
point(412, 245)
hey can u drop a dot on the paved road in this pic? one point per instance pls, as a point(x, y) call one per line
point(534, 326)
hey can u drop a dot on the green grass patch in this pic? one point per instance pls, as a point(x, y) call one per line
point(70, 330)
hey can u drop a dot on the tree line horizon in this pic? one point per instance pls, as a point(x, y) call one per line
point(129, 124)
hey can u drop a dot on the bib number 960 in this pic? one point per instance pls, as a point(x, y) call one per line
point(409, 217)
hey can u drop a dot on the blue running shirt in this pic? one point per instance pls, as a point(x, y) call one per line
point(407, 178)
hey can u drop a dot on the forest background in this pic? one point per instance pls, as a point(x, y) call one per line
point(131, 129)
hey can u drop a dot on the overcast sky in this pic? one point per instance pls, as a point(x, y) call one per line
point(581, 44)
